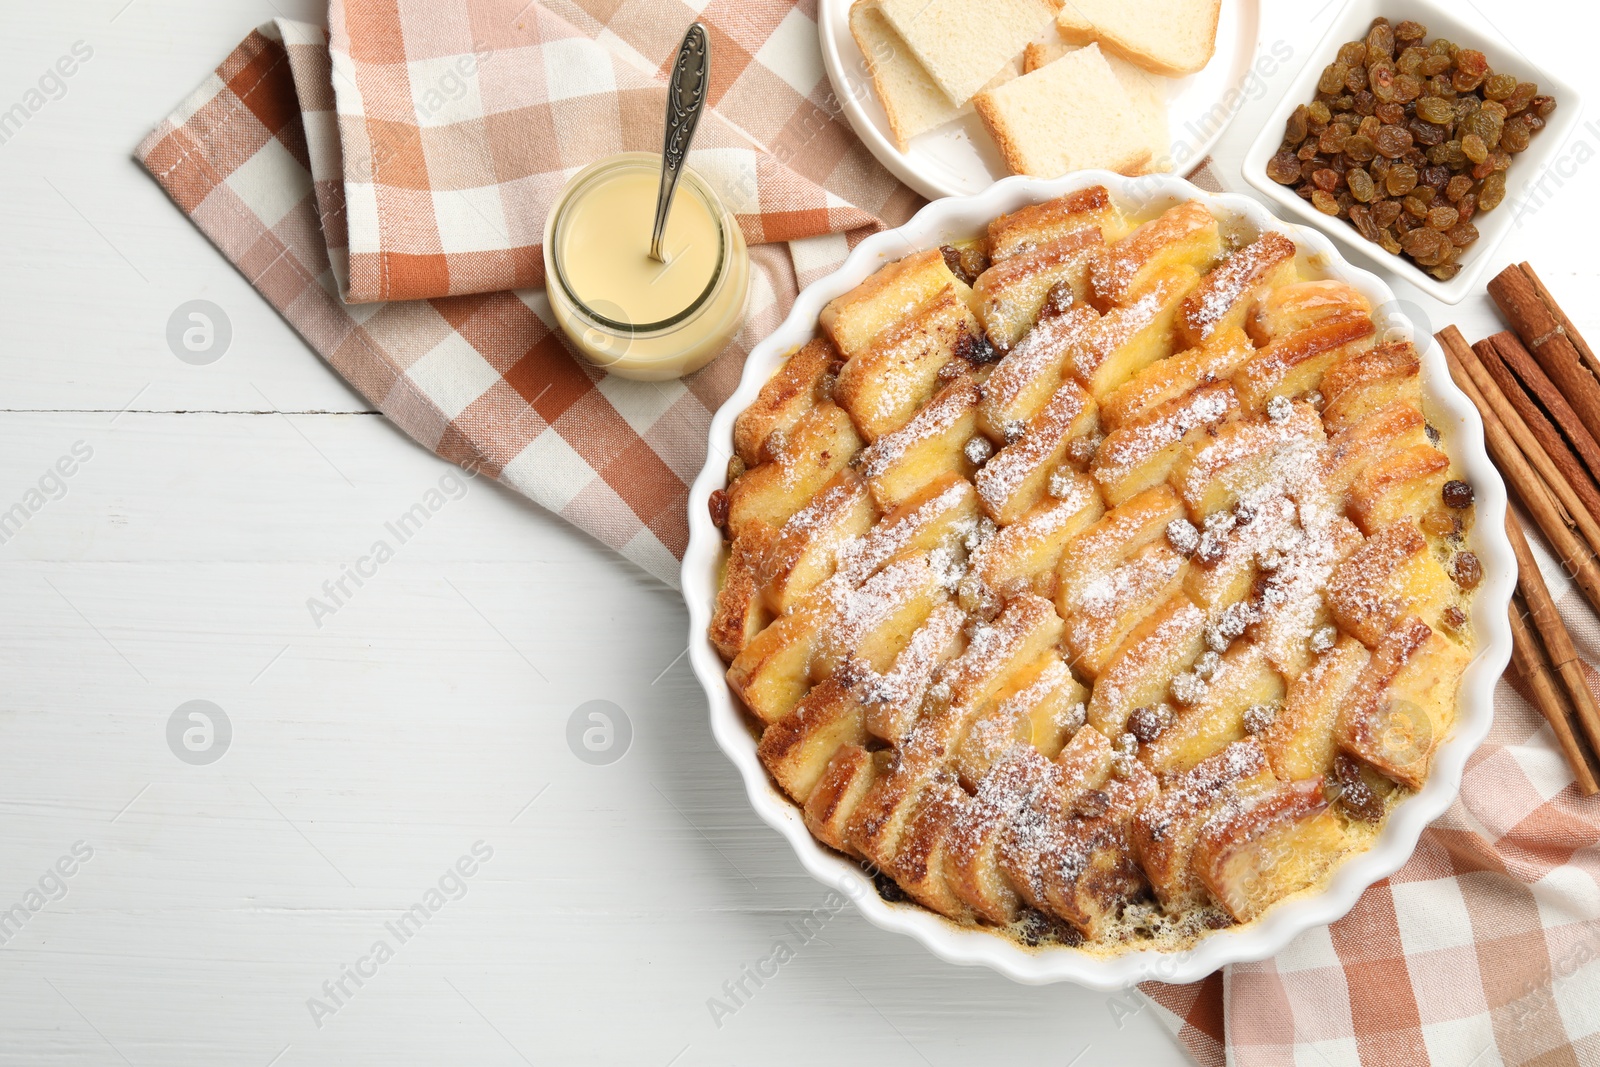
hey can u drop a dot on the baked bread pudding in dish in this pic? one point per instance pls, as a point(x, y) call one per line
point(1099, 580)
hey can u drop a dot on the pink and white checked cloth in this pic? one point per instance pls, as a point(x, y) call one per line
point(384, 185)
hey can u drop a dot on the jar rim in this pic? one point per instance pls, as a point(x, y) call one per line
point(587, 179)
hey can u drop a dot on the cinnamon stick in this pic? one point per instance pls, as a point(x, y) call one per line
point(1545, 337)
point(1547, 496)
point(1541, 431)
point(1573, 335)
point(1527, 656)
point(1514, 370)
point(1545, 619)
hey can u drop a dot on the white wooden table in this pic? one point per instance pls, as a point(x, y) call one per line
point(370, 753)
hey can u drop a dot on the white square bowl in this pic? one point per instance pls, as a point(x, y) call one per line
point(1465, 28)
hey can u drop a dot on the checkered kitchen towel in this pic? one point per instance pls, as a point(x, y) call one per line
point(419, 177)
point(363, 169)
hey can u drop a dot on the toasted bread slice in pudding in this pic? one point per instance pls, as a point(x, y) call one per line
point(1127, 339)
point(1030, 374)
point(741, 613)
point(1293, 364)
point(883, 384)
point(939, 518)
point(1250, 460)
point(1399, 486)
point(797, 749)
point(893, 698)
point(858, 318)
point(1216, 716)
point(1167, 828)
point(1227, 295)
point(1011, 293)
point(873, 623)
point(1034, 708)
point(1088, 871)
point(806, 552)
point(1403, 704)
point(1017, 477)
point(1300, 742)
point(1163, 645)
point(819, 446)
point(1176, 377)
point(773, 671)
point(1384, 432)
point(1302, 305)
point(1392, 575)
point(1277, 843)
point(1140, 454)
point(1023, 556)
point(1185, 236)
point(1117, 602)
point(1031, 228)
point(1291, 602)
point(789, 394)
point(900, 465)
point(838, 792)
point(1110, 542)
point(972, 855)
point(1363, 382)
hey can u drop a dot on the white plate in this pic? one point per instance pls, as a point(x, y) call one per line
point(957, 218)
point(960, 158)
point(1460, 24)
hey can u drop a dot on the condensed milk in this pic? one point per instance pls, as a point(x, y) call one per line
point(625, 312)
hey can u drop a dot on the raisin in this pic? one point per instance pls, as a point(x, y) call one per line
point(1149, 723)
point(1324, 202)
point(1466, 570)
point(1058, 301)
point(1436, 110)
point(1457, 494)
point(1438, 524)
point(1386, 212)
point(888, 888)
point(1517, 135)
point(1360, 184)
point(1544, 106)
point(1499, 86)
point(1332, 79)
point(1467, 207)
point(1355, 796)
point(1365, 102)
point(1457, 187)
point(1473, 148)
point(1453, 618)
point(1359, 148)
point(1462, 234)
point(1353, 54)
point(719, 509)
point(952, 259)
point(1284, 168)
point(1298, 126)
point(1445, 271)
point(1333, 138)
point(1380, 39)
point(976, 349)
point(1493, 191)
point(1442, 218)
point(1408, 31)
point(1402, 179)
point(1361, 218)
point(1521, 97)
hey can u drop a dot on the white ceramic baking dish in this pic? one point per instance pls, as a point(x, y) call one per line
point(1449, 409)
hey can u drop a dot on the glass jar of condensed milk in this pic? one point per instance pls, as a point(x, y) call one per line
point(625, 312)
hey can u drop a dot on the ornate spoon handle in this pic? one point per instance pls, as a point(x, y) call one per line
point(686, 99)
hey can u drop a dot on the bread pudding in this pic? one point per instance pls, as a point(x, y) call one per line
point(1100, 579)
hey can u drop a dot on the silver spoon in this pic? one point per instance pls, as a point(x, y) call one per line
point(686, 100)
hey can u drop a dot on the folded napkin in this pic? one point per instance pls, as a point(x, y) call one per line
point(384, 185)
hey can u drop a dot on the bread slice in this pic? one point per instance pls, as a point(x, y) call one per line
point(911, 99)
point(963, 44)
point(1147, 91)
point(1171, 37)
point(1070, 115)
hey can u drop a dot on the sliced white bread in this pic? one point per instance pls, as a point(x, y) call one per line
point(1147, 91)
point(1171, 37)
point(964, 44)
point(911, 99)
point(1073, 114)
